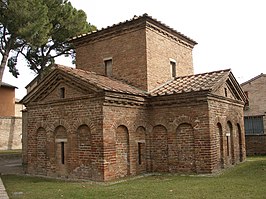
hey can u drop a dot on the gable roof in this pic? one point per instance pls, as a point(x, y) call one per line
point(97, 82)
point(210, 82)
point(199, 82)
point(253, 79)
point(101, 81)
point(144, 18)
point(185, 84)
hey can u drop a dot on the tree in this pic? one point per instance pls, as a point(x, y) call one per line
point(21, 21)
point(38, 30)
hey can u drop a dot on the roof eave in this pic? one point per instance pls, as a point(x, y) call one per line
point(3, 84)
point(143, 18)
point(252, 79)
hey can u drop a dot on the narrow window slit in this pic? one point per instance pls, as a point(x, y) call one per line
point(62, 152)
point(173, 68)
point(227, 142)
point(139, 153)
point(62, 92)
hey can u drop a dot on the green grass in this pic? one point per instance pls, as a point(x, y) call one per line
point(247, 180)
point(14, 151)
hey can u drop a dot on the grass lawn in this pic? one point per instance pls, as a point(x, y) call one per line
point(247, 180)
point(14, 151)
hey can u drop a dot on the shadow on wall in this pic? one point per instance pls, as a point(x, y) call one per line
point(10, 133)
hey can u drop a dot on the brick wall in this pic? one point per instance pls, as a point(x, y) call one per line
point(140, 54)
point(53, 143)
point(161, 49)
point(256, 144)
point(174, 134)
point(128, 53)
point(10, 133)
point(227, 133)
point(124, 128)
point(256, 95)
point(187, 135)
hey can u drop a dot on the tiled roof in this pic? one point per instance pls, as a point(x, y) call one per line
point(134, 19)
point(254, 78)
point(101, 81)
point(186, 84)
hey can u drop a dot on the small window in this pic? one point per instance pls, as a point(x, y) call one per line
point(227, 145)
point(108, 67)
point(62, 92)
point(173, 68)
point(139, 153)
point(225, 92)
point(62, 153)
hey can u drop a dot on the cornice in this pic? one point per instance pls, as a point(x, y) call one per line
point(179, 99)
point(66, 101)
point(226, 100)
point(136, 23)
point(179, 38)
point(108, 33)
point(121, 99)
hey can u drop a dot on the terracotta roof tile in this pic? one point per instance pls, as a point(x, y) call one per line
point(186, 84)
point(101, 81)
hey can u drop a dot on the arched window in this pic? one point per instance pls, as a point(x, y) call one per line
point(60, 141)
point(140, 153)
point(159, 149)
point(41, 151)
point(220, 145)
point(122, 151)
point(84, 145)
point(84, 137)
point(186, 147)
point(230, 143)
point(228, 138)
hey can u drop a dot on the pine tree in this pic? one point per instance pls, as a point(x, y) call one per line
point(39, 31)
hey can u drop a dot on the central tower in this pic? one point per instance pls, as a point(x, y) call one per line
point(142, 52)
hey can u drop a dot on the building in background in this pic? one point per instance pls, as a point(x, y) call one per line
point(255, 119)
point(10, 118)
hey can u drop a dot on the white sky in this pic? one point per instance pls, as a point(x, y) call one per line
point(230, 33)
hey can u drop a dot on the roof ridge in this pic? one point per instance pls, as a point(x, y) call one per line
point(211, 72)
point(134, 18)
point(104, 28)
point(252, 79)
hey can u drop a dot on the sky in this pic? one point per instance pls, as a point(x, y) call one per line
point(231, 34)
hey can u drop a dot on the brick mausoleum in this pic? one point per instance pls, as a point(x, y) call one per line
point(133, 105)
